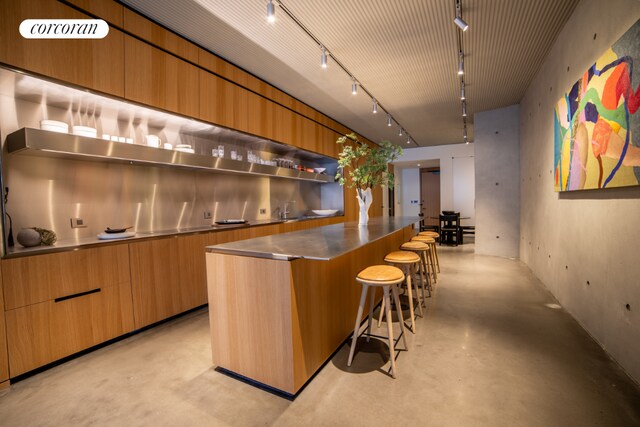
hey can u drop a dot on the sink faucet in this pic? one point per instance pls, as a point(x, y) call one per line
point(286, 211)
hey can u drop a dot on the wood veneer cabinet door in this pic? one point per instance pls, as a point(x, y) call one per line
point(4, 361)
point(41, 333)
point(34, 279)
point(158, 79)
point(108, 10)
point(95, 64)
point(167, 277)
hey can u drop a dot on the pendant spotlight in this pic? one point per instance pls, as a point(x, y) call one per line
point(401, 132)
point(462, 97)
point(466, 141)
point(354, 87)
point(375, 106)
point(323, 58)
point(460, 63)
point(464, 109)
point(271, 12)
point(389, 120)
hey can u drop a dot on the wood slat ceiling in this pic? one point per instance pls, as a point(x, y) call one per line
point(404, 52)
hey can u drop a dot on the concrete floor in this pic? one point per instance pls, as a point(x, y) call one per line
point(489, 352)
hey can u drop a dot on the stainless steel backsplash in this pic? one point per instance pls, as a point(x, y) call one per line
point(47, 193)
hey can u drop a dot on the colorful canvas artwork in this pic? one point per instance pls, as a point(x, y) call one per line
point(596, 124)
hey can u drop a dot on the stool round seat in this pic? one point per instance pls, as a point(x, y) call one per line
point(424, 239)
point(433, 234)
point(414, 246)
point(402, 257)
point(380, 275)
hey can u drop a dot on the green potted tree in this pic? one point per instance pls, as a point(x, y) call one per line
point(364, 168)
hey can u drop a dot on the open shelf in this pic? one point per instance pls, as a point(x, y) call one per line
point(36, 142)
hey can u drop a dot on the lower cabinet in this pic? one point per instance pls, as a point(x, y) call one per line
point(4, 361)
point(167, 277)
point(83, 299)
point(41, 333)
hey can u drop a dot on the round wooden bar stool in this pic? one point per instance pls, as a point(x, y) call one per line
point(421, 249)
point(430, 257)
point(434, 235)
point(387, 277)
point(408, 261)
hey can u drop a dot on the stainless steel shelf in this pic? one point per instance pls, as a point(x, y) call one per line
point(36, 142)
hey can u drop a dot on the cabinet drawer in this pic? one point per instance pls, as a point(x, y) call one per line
point(35, 279)
point(42, 333)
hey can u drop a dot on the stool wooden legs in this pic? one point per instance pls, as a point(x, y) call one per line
point(387, 301)
point(363, 298)
point(410, 285)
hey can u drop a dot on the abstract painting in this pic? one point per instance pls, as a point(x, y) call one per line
point(596, 125)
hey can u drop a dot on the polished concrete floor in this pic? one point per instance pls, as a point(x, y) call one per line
point(489, 351)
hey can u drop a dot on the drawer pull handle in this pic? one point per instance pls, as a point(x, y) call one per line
point(92, 291)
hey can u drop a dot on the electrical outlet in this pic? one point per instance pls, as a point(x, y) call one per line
point(263, 211)
point(207, 215)
point(77, 223)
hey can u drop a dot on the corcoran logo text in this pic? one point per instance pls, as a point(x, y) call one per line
point(64, 29)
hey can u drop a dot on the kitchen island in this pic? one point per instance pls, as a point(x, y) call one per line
point(281, 305)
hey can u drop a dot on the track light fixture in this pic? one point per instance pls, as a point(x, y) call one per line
point(465, 135)
point(462, 97)
point(271, 12)
point(408, 140)
point(460, 63)
point(458, 19)
point(325, 53)
point(461, 23)
point(464, 109)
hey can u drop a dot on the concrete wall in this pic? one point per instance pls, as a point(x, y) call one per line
point(497, 182)
point(584, 246)
point(445, 154)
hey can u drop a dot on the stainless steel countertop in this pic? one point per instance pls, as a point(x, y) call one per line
point(320, 243)
point(86, 242)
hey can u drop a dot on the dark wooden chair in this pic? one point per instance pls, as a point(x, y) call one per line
point(450, 229)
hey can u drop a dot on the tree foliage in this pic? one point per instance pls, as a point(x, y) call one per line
point(362, 166)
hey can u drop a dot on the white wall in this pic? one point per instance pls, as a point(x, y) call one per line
point(584, 246)
point(445, 154)
point(497, 182)
point(464, 190)
point(410, 190)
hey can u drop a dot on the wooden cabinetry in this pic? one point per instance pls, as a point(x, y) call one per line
point(95, 64)
point(159, 36)
point(34, 279)
point(158, 79)
point(59, 304)
point(109, 10)
point(4, 361)
point(167, 277)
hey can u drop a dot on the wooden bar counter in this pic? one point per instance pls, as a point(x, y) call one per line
point(281, 305)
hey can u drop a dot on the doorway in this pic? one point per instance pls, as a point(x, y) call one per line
point(430, 196)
